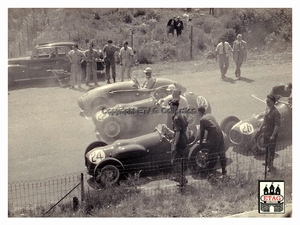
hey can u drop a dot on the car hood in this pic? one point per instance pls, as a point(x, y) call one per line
point(124, 148)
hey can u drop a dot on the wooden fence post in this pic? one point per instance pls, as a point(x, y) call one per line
point(82, 188)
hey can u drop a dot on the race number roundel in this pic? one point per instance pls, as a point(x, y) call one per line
point(201, 101)
point(96, 156)
point(246, 128)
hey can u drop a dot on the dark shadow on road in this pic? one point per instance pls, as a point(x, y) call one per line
point(242, 151)
point(245, 79)
point(229, 80)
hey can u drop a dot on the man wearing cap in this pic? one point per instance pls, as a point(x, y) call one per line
point(109, 60)
point(91, 64)
point(223, 50)
point(179, 26)
point(76, 57)
point(270, 128)
point(171, 26)
point(126, 60)
point(284, 90)
point(179, 141)
point(239, 54)
point(214, 139)
point(149, 82)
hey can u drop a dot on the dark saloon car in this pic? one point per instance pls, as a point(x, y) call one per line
point(111, 94)
point(145, 154)
point(246, 134)
point(45, 58)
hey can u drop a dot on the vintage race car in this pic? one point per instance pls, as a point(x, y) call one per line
point(122, 92)
point(246, 134)
point(146, 154)
point(45, 58)
point(128, 120)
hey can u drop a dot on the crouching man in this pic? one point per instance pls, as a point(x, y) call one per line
point(214, 139)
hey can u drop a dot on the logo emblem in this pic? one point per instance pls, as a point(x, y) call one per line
point(271, 197)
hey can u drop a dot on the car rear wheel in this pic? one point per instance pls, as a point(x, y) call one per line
point(111, 129)
point(107, 176)
point(227, 123)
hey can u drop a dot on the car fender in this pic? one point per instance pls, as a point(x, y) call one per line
point(109, 161)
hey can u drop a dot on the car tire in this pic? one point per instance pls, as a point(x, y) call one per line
point(227, 123)
point(111, 129)
point(200, 159)
point(258, 148)
point(108, 175)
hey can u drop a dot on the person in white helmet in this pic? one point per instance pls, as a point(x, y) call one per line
point(149, 82)
point(175, 91)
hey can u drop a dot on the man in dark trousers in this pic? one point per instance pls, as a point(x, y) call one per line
point(214, 139)
point(109, 60)
point(179, 26)
point(270, 128)
point(171, 26)
point(179, 141)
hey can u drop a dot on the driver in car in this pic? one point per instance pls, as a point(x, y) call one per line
point(149, 82)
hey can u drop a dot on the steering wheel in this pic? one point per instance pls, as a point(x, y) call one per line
point(136, 81)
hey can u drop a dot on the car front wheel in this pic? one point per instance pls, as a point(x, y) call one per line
point(107, 176)
point(259, 147)
point(227, 123)
point(111, 129)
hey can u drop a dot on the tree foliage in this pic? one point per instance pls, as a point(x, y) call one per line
point(146, 29)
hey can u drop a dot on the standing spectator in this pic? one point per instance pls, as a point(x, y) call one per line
point(149, 82)
point(239, 54)
point(91, 64)
point(214, 139)
point(270, 128)
point(171, 26)
point(179, 26)
point(126, 60)
point(109, 60)
point(76, 57)
point(179, 141)
point(223, 50)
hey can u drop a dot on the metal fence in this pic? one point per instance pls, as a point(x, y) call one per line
point(46, 193)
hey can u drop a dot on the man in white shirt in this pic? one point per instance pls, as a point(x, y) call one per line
point(126, 58)
point(223, 50)
point(149, 82)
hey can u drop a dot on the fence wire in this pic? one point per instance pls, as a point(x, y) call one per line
point(45, 193)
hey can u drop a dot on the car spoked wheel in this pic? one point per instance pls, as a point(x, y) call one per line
point(107, 176)
point(111, 129)
point(201, 158)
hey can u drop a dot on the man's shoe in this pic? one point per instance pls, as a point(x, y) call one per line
point(108, 81)
point(96, 84)
point(72, 87)
point(224, 172)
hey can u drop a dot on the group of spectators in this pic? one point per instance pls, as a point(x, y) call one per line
point(91, 56)
point(175, 25)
